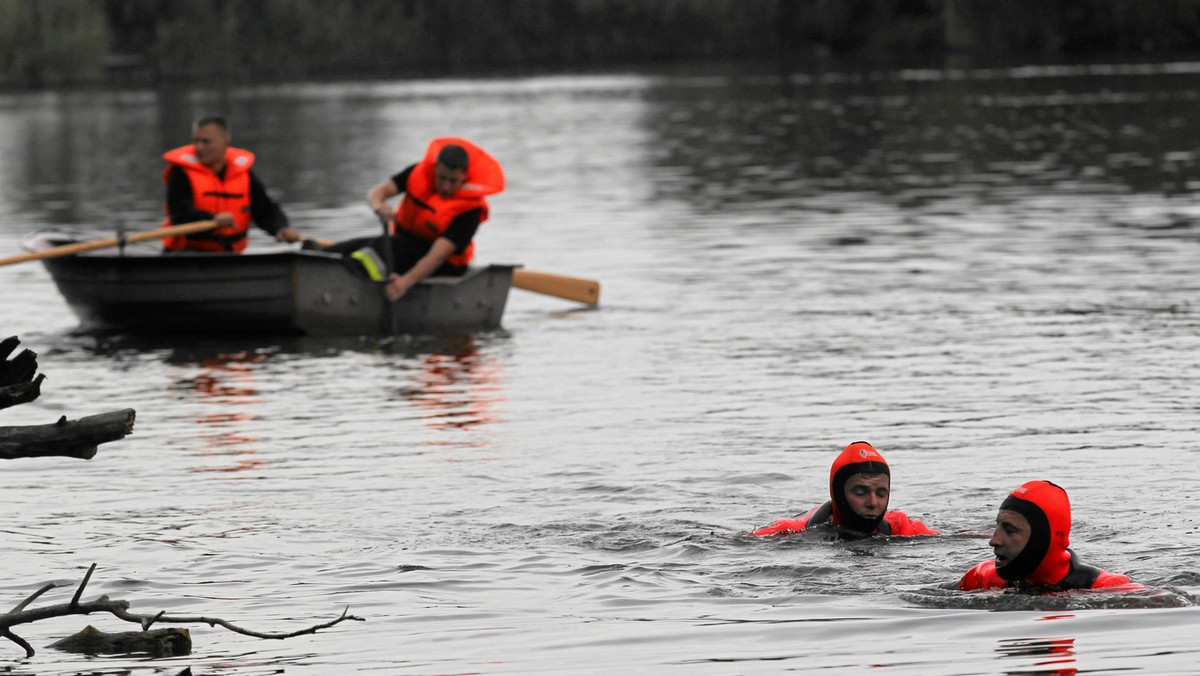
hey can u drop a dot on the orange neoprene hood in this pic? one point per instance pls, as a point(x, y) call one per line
point(857, 458)
point(1045, 559)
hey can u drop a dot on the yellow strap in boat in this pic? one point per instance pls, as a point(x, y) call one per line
point(371, 261)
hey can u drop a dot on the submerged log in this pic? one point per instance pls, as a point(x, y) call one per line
point(167, 642)
point(70, 439)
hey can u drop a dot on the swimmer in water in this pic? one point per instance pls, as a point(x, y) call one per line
point(859, 489)
point(1031, 540)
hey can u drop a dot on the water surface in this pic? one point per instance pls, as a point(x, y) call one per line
point(988, 274)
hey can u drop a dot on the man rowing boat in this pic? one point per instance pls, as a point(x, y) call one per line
point(432, 229)
point(209, 179)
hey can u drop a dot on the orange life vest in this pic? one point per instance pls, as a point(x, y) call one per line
point(214, 194)
point(426, 215)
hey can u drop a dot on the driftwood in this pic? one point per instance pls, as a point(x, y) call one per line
point(71, 439)
point(169, 642)
point(20, 383)
point(120, 609)
point(17, 382)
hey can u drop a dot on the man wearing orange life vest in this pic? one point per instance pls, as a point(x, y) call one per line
point(1031, 540)
point(859, 489)
point(433, 226)
point(209, 179)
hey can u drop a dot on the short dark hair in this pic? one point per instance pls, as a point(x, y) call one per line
point(453, 156)
point(215, 120)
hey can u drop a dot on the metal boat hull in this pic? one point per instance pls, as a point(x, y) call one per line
point(289, 292)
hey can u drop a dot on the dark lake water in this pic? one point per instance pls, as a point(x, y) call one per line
point(990, 274)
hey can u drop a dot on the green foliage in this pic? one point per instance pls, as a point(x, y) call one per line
point(51, 42)
point(193, 38)
point(47, 42)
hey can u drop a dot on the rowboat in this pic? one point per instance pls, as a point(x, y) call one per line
point(136, 288)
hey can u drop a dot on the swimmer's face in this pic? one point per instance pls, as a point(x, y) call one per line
point(868, 494)
point(1010, 537)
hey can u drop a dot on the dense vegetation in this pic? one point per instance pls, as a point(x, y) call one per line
point(55, 42)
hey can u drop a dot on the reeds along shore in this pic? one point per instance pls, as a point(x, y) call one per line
point(50, 43)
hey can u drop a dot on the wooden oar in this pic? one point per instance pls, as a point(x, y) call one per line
point(80, 247)
point(577, 289)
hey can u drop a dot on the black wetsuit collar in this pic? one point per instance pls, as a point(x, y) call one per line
point(824, 516)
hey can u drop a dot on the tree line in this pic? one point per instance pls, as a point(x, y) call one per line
point(48, 43)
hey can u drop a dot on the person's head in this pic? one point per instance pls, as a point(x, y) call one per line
point(450, 171)
point(860, 483)
point(211, 136)
point(1033, 531)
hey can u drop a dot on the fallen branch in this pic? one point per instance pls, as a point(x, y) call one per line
point(120, 609)
point(17, 382)
point(71, 439)
point(20, 383)
point(19, 369)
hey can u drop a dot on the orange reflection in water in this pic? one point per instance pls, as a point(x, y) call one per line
point(455, 387)
point(1059, 654)
point(227, 381)
point(458, 389)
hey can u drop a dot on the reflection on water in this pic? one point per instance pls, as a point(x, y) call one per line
point(91, 157)
point(454, 385)
point(922, 136)
point(1054, 655)
point(226, 383)
point(459, 389)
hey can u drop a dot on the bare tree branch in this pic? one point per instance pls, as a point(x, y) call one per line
point(86, 578)
point(29, 651)
point(21, 393)
point(21, 606)
point(120, 609)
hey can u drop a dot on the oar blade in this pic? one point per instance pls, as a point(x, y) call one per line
point(578, 289)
